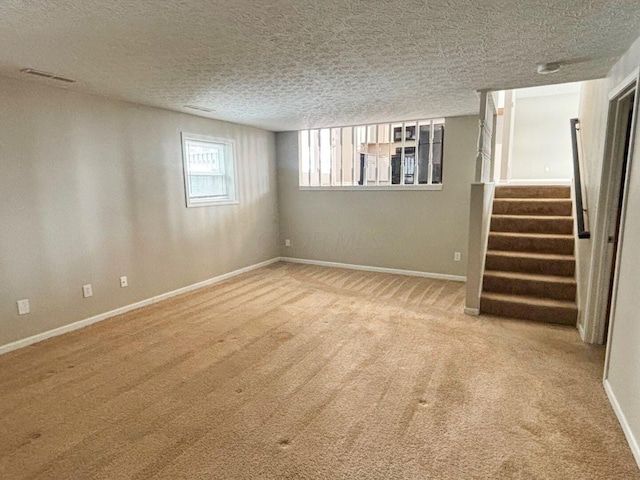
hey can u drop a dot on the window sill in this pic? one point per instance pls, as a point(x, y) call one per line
point(376, 187)
point(212, 204)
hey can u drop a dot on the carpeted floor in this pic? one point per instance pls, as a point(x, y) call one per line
point(307, 372)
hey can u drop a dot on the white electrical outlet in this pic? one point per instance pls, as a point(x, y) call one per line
point(457, 256)
point(287, 243)
point(87, 291)
point(124, 282)
point(23, 307)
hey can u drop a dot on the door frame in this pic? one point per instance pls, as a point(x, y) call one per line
point(608, 203)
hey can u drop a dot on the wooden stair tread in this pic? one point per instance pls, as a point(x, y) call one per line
point(507, 216)
point(528, 300)
point(535, 256)
point(533, 191)
point(530, 276)
point(532, 200)
point(565, 236)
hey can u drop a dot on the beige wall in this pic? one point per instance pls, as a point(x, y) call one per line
point(92, 189)
point(412, 230)
point(593, 125)
point(623, 377)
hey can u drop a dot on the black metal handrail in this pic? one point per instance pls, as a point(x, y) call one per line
point(580, 211)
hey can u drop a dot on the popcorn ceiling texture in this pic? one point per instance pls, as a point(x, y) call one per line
point(289, 64)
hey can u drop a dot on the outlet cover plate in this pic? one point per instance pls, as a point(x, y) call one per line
point(23, 307)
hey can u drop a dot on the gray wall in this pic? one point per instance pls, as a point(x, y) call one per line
point(623, 375)
point(412, 230)
point(92, 189)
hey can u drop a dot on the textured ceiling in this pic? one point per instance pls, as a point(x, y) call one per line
point(287, 64)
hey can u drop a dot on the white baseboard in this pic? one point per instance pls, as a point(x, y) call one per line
point(143, 303)
point(472, 311)
point(633, 442)
point(119, 311)
point(366, 268)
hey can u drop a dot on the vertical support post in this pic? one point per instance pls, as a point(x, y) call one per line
point(479, 175)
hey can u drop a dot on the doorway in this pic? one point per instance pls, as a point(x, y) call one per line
point(625, 116)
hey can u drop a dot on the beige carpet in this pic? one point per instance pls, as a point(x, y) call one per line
point(307, 372)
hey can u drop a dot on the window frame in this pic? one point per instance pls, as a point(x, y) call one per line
point(308, 171)
point(230, 171)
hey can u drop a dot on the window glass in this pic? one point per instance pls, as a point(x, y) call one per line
point(304, 157)
point(314, 158)
point(438, 145)
point(336, 156)
point(325, 157)
point(384, 154)
point(360, 165)
point(347, 156)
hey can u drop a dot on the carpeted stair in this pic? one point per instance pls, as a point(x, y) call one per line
point(530, 263)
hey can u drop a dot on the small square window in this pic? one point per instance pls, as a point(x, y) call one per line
point(209, 170)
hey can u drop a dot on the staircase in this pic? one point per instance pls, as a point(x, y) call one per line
point(530, 263)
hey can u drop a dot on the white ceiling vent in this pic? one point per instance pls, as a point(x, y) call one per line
point(201, 109)
point(52, 76)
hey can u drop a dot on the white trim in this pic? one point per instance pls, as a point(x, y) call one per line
point(581, 328)
point(600, 273)
point(534, 182)
point(472, 311)
point(231, 172)
point(366, 268)
point(119, 311)
point(626, 428)
point(630, 154)
point(209, 203)
point(437, 186)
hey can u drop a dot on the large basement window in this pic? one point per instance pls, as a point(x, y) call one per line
point(403, 155)
point(209, 170)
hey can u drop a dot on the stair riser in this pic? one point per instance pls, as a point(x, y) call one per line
point(564, 268)
point(533, 192)
point(510, 207)
point(562, 246)
point(535, 288)
point(560, 226)
point(549, 314)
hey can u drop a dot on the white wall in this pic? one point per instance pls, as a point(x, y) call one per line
point(593, 125)
point(92, 189)
point(541, 137)
point(624, 362)
point(409, 230)
point(623, 376)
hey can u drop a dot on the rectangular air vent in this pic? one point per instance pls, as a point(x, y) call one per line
point(202, 109)
point(52, 76)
